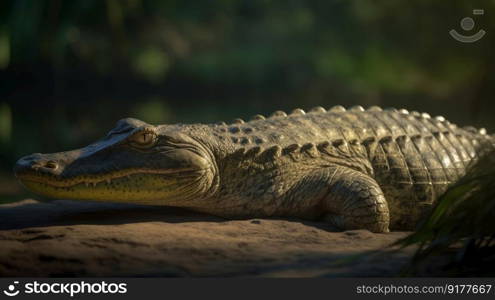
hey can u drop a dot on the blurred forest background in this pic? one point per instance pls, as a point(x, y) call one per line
point(70, 69)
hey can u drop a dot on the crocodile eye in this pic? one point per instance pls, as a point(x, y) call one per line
point(143, 139)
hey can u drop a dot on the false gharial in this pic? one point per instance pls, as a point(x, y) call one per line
point(357, 169)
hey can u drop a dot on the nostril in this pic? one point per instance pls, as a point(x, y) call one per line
point(51, 165)
point(36, 162)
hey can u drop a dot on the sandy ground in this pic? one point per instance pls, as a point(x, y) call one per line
point(75, 238)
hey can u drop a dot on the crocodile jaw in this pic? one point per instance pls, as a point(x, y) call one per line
point(136, 162)
point(139, 188)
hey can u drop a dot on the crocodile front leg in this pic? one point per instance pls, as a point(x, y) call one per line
point(355, 201)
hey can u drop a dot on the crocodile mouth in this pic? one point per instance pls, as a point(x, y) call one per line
point(154, 187)
point(58, 181)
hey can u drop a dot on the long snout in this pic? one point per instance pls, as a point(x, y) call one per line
point(37, 162)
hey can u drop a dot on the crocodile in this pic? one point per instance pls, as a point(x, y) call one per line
point(376, 169)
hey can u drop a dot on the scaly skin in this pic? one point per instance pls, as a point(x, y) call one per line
point(368, 169)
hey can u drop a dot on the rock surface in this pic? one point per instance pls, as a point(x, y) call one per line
point(75, 238)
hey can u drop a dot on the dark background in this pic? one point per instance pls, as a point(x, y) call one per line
point(70, 69)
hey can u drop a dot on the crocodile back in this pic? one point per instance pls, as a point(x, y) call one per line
point(413, 157)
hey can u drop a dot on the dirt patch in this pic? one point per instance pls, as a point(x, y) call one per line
point(93, 239)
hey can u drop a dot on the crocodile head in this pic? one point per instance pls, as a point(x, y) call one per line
point(136, 162)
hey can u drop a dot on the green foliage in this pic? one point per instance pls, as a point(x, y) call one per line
point(153, 111)
point(152, 64)
point(462, 224)
point(70, 69)
point(386, 46)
